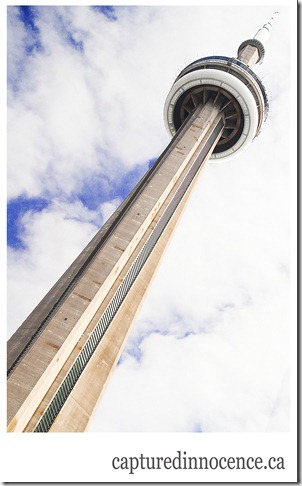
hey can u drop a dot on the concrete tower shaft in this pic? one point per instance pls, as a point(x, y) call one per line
point(62, 356)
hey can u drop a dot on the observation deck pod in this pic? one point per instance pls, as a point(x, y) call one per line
point(239, 90)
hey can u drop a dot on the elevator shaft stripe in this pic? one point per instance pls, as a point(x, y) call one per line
point(93, 341)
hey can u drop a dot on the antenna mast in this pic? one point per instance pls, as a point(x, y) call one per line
point(252, 51)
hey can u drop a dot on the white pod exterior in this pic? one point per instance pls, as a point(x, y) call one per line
point(239, 86)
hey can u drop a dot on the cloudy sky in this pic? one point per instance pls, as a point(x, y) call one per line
point(210, 350)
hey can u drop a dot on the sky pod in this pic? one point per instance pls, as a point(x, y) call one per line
point(232, 83)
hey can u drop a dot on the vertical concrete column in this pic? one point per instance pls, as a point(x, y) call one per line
point(249, 55)
point(36, 384)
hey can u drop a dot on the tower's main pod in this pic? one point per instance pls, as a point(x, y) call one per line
point(62, 356)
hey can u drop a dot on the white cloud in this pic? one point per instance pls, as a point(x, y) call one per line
point(52, 239)
point(195, 381)
point(226, 375)
point(96, 113)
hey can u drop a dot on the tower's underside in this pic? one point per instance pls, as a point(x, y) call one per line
point(62, 356)
point(240, 91)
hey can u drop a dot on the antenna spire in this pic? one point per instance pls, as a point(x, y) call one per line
point(264, 33)
point(252, 51)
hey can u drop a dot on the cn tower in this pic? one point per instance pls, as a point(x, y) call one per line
point(62, 356)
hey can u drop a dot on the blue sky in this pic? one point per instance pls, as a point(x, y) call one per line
point(96, 188)
point(86, 89)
